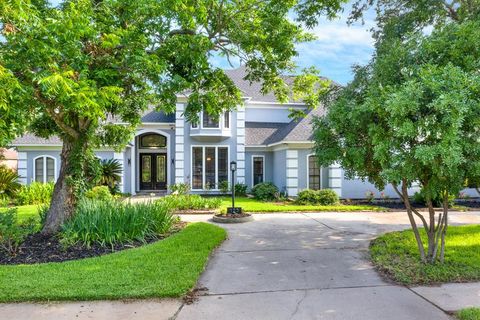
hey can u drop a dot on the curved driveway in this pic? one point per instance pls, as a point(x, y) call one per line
point(306, 266)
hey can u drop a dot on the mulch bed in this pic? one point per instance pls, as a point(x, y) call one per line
point(394, 204)
point(39, 248)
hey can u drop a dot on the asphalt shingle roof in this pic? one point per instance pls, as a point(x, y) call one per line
point(31, 139)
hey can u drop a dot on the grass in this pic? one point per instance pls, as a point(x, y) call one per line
point(252, 205)
point(26, 212)
point(469, 314)
point(396, 255)
point(168, 268)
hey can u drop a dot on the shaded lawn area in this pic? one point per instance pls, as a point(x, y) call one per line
point(469, 314)
point(396, 255)
point(26, 212)
point(252, 205)
point(168, 268)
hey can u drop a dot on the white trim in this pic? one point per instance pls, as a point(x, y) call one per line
point(308, 172)
point(203, 146)
point(253, 170)
point(276, 105)
point(161, 150)
point(34, 175)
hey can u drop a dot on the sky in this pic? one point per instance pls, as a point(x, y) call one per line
point(337, 48)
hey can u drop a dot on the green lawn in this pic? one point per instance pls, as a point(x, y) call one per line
point(168, 268)
point(469, 314)
point(252, 205)
point(396, 255)
point(25, 212)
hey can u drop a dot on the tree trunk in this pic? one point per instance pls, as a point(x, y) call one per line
point(413, 223)
point(63, 199)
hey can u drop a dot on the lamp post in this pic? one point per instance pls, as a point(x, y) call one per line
point(233, 210)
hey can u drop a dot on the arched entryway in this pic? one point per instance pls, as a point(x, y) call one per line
point(152, 161)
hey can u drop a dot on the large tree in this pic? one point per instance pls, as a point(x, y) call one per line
point(412, 115)
point(67, 70)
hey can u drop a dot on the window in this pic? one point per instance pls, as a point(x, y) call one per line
point(197, 168)
point(210, 121)
point(209, 167)
point(226, 120)
point(44, 169)
point(258, 169)
point(153, 141)
point(314, 179)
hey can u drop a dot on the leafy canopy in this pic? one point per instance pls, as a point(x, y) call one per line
point(67, 70)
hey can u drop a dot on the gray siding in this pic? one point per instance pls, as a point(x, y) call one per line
point(280, 164)
point(269, 168)
point(267, 115)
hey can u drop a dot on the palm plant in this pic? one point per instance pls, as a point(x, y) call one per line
point(111, 174)
point(8, 182)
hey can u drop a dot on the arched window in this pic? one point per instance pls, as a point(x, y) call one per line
point(317, 176)
point(44, 169)
point(152, 141)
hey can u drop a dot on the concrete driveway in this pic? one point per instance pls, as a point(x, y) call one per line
point(307, 266)
point(286, 266)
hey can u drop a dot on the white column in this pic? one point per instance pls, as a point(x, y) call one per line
point(133, 169)
point(179, 144)
point(335, 178)
point(119, 157)
point(22, 167)
point(292, 172)
point(240, 144)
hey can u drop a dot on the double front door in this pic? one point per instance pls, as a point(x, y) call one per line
point(153, 171)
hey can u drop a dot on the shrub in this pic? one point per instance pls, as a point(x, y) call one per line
point(419, 198)
point(224, 187)
point(180, 188)
point(322, 197)
point(12, 234)
point(241, 189)
point(111, 174)
point(191, 202)
point(9, 185)
point(111, 222)
point(327, 197)
point(35, 193)
point(101, 193)
point(265, 191)
point(307, 196)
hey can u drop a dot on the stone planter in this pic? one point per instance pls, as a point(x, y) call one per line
point(237, 218)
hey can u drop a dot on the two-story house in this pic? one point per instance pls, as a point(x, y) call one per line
point(265, 143)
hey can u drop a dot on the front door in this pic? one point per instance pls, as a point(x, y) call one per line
point(153, 171)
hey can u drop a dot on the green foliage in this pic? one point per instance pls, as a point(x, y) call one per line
point(167, 268)
point(265, 191)
point(191, 202)
point(324, 197)
point(35, 193)
point(180, 188)
point(469, 314)
point(115, 58)
point(12, 233)
point(110, 222)
point(396, 255)
point(100, 193)
point(9, 185)
point(411, 115)
point(42, 213)
point(111, 174)
point(241, 189)
point(224, 187)
point(420, 198)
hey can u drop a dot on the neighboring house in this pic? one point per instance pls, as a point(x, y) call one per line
point(259, 136)
point(9, 158)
